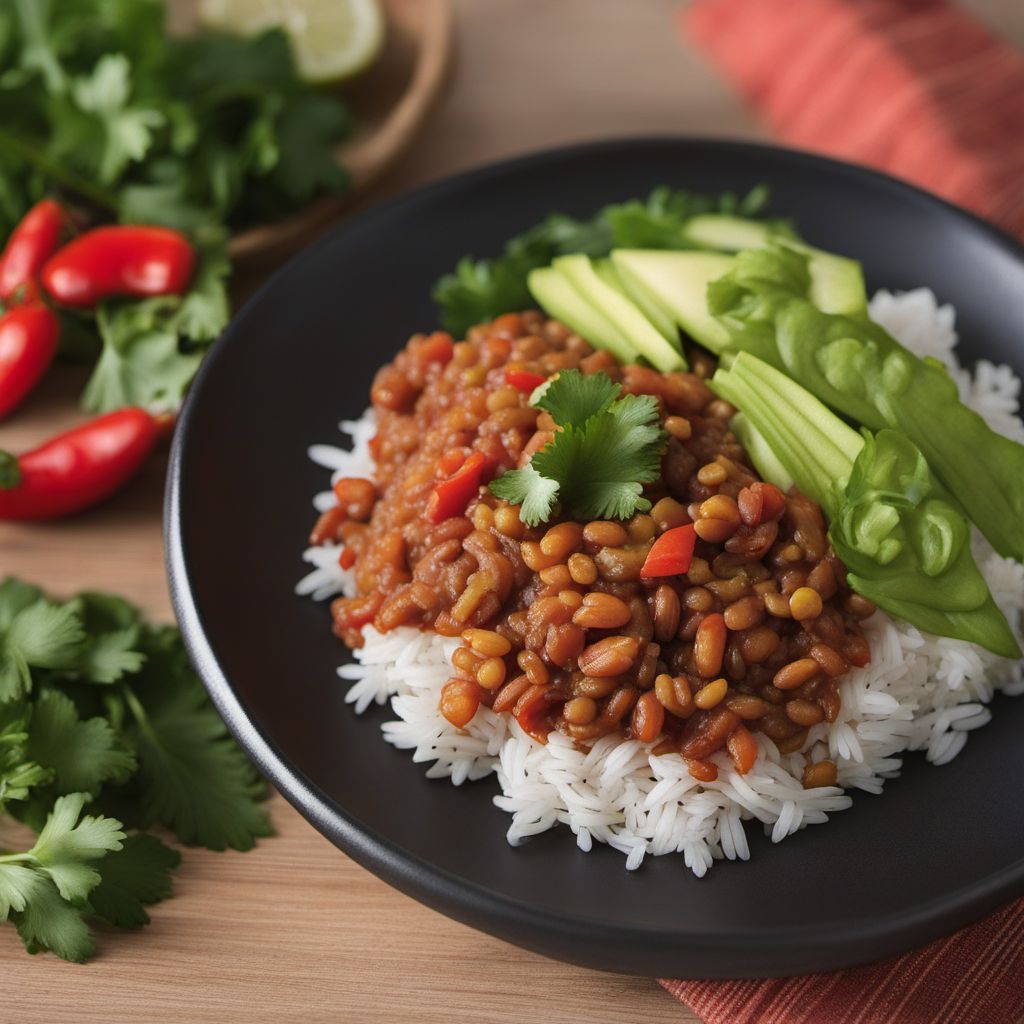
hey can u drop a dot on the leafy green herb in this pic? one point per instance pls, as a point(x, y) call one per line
point(101, 713)
point(204, 134)
point(98, 99)
point(481, 289)
point(903, 539)
point(595, 467)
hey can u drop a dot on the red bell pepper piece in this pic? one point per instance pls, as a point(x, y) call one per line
point(28, 343)
point(450, 497)
point(671, 553)
point(524, 380)
point(79, 468)
point(30, 245)
point(119, 259)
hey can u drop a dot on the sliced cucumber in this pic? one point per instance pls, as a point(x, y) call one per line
point(621, 311)
point(837, 283)
point(559, 297)
point(726, 233)
point(678, 281)
point(661, 320)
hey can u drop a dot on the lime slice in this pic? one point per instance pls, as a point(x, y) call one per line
point(332, 39)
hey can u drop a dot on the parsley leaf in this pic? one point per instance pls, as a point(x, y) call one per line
point(137, 875)
point(596, 465)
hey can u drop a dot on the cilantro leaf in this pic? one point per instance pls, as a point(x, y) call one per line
point(597, 464)
point(40, 635)
point(535, 494)
point(125, 131)
point(137, 875)
point(15, 596)
point(110, 651)
point(82, 754)
point(308, 126)
point(69, 843)
point(45, 921)
point(193, 778)
point(44, 889)
point(573, 398)
point(142, 362)
point(18, 774)
point(152, 349)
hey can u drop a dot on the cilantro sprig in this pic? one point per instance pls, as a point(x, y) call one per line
point(206, 134)
point(105, 732)
point(595, 467)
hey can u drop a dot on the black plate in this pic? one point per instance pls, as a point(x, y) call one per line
point(942, 847)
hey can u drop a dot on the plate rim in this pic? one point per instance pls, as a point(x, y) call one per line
point(846, 945)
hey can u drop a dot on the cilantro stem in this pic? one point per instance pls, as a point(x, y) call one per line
point(140, 716)
point(57, 172)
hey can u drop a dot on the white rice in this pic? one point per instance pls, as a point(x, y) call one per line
point(920, 692)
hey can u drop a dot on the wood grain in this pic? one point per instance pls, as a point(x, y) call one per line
point(295, 931)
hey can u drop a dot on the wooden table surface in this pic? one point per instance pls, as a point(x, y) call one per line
point(295, 931)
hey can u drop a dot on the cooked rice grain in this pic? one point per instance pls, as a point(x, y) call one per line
point(920, 692)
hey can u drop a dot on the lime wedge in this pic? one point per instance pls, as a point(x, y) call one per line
point(332, 39)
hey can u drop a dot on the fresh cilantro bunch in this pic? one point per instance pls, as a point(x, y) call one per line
point(595, 467)
point(481, 289)
point(204, 134)
point(105, 732)
point(206, 129)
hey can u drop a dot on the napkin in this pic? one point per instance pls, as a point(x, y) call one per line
point(973, 976)
point(919, 89)
point(916, 88)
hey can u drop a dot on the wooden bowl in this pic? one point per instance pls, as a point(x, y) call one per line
point(389, 103)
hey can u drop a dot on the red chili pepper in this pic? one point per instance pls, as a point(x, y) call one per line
point(28, 343)
point(30, 245)
point(76, 469)
point(671, 554)
point(524, 380)
point(450, 497)
point(347, 558)
point(119, 260)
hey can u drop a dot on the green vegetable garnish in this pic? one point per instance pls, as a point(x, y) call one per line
point(481, 289)
point(855, 366)
point(903, 538)
point(596, 465)
point(101, 716)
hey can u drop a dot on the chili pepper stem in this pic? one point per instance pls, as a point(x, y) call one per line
point(10, 471)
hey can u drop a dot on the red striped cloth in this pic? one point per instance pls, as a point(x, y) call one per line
point(975, 976)
point(914, 87)
point(918, 89)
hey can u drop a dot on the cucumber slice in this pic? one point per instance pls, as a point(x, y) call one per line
point(837, 283)
point(661, 320)
point(621, 311)
point(558, 297)
point(726, 233)
point(678, 281)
